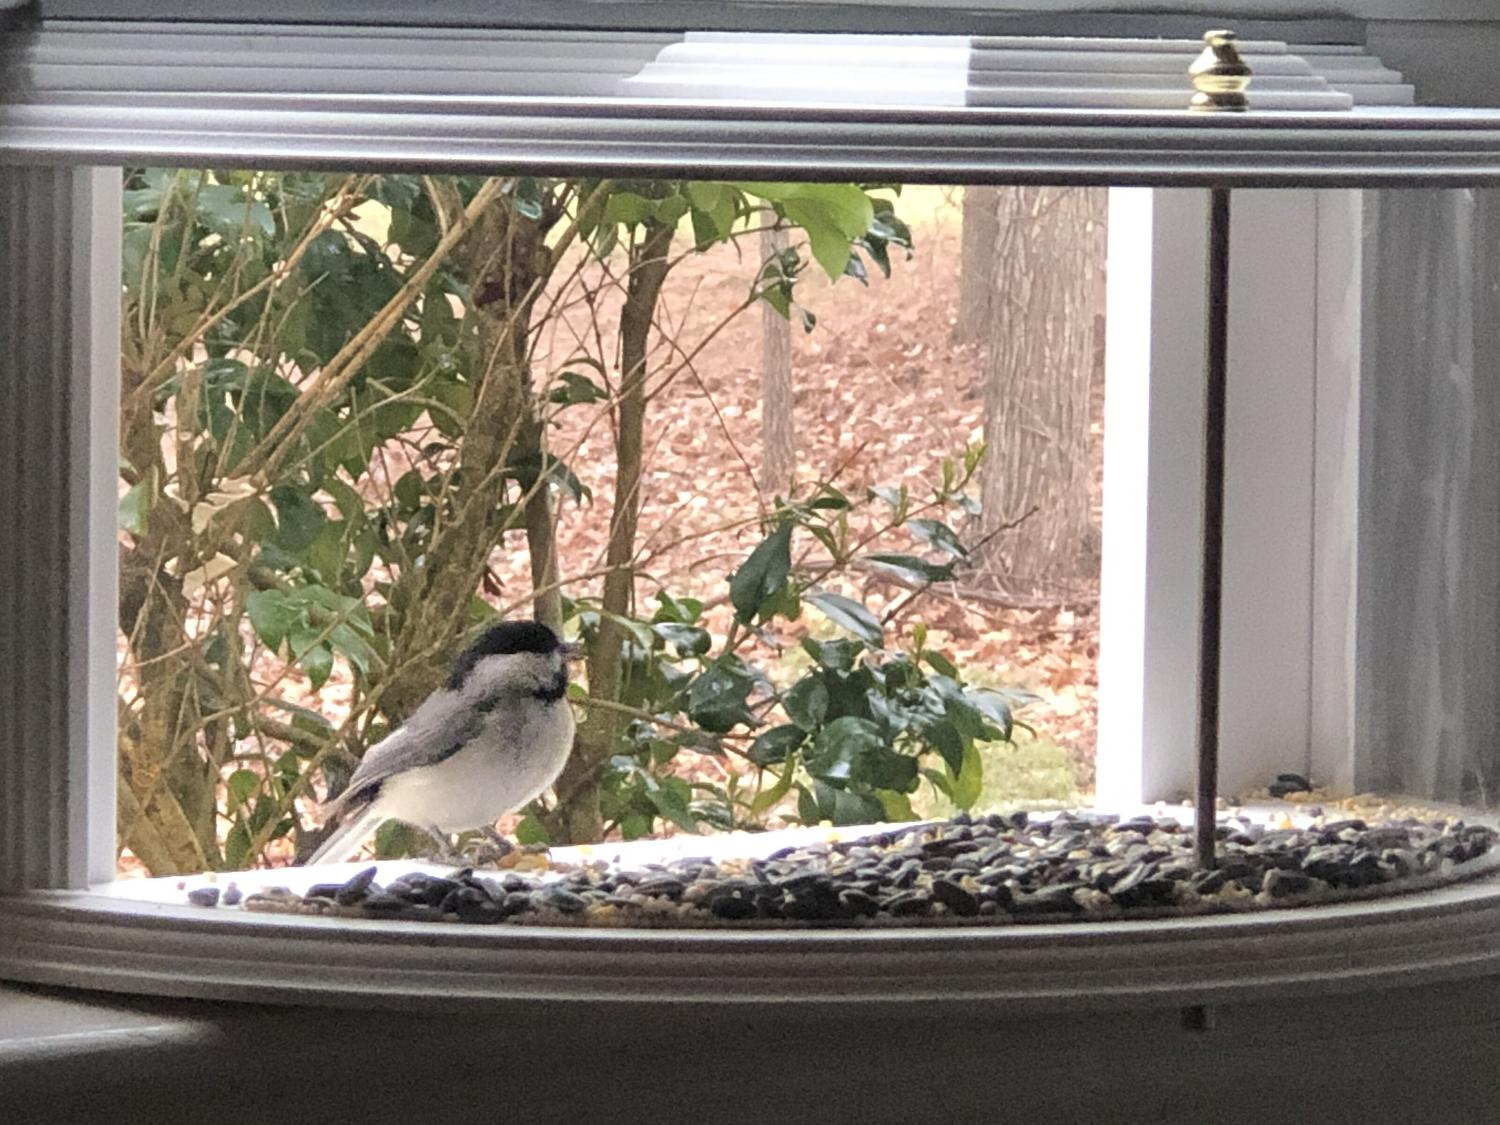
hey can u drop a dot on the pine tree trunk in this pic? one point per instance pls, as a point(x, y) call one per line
point(1037, 380)
point(975, 278)
point(778, 433)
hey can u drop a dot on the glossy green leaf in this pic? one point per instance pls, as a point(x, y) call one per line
point(939, 535)
point(970, 780)
point(849, 614)
point(767, 799)
point(716, 699)
point(839, 748)
point(806, 703)
point(273, 615)
point(573, 387)
point(912, 568)
point(761, 575)
point(686, 640)
point(775, 745)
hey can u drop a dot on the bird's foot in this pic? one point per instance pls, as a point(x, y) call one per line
point(489, 849)
point(443, 851)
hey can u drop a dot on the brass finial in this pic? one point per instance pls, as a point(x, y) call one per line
point(1219, 75)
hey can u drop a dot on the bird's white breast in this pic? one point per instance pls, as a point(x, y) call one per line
point(515, 759)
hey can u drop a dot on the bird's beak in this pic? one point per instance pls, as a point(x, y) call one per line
point(571, 652)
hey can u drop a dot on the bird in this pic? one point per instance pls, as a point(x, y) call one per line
point(495, 736)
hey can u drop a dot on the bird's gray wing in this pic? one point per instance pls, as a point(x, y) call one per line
point(438, 730)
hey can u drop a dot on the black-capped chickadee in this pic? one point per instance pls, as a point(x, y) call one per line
point(495, 737)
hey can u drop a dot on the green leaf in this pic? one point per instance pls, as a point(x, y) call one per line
point(806, 703)
point(635, 825)
point(354, 648)
point(897, 806)
point(887, 769)
point(807, 806)
point(408, 491)
point(395, 838)
point(685, 611)
point(686, 640)
point(994, 706)
point(527, 198)
point(325, 555)
point(240, 786)
point(349, 502)
point(299, 518)
point(849, 614)
point(829, 499)
point(898, 498)
point(316, 659)
point(775, 745)
point(530, 830)
point(940, 663)
point(769, 798)
point(714, 202)
point(716, 699)
point(913, 568)
point(136, 504)
point(949, 743)
point(629, 208)
point(838, 654)
point(237, 848)
point(844, 807)
point(970, 780)
point(273, 615)
point(940, 781)
point(671, 798)
point(939, 535)
point(839, 748)
point(669, 211)
point(762, 574)
point(228, 210)
point(575, 388)
point(833, 215)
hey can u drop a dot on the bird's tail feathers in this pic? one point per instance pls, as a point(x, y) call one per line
point(347, 836)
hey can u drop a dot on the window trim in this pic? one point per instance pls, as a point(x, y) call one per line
point(56, 824)
point(81, 940)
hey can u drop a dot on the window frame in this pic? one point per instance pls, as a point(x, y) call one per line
point(59, 203)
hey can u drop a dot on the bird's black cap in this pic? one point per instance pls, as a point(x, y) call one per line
point(504, 639)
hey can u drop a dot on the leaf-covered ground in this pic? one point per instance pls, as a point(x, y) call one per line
point(882, 396)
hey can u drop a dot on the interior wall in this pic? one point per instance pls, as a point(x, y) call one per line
point(1450, 63)
point(1317, 1059)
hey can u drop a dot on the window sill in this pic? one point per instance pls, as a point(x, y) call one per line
point(99, 941)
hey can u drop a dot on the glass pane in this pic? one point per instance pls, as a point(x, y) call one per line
point(1429, 513)
point(812, 472)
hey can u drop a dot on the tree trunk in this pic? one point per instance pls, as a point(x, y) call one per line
point(507, 261)
point(778, 434)
point(1038, 374)
point(976, 279)
point(577, 819)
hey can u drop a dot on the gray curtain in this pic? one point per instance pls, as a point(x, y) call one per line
point(1429, 569)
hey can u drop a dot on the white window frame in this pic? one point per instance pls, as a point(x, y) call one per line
point(60, 216)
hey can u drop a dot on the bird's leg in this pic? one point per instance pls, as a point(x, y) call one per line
point(444, 852)
point(490, 850)
point(503, 846)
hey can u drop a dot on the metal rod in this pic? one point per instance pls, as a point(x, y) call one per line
point(1205, 814)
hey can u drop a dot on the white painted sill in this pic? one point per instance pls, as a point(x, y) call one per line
point(141, 937)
